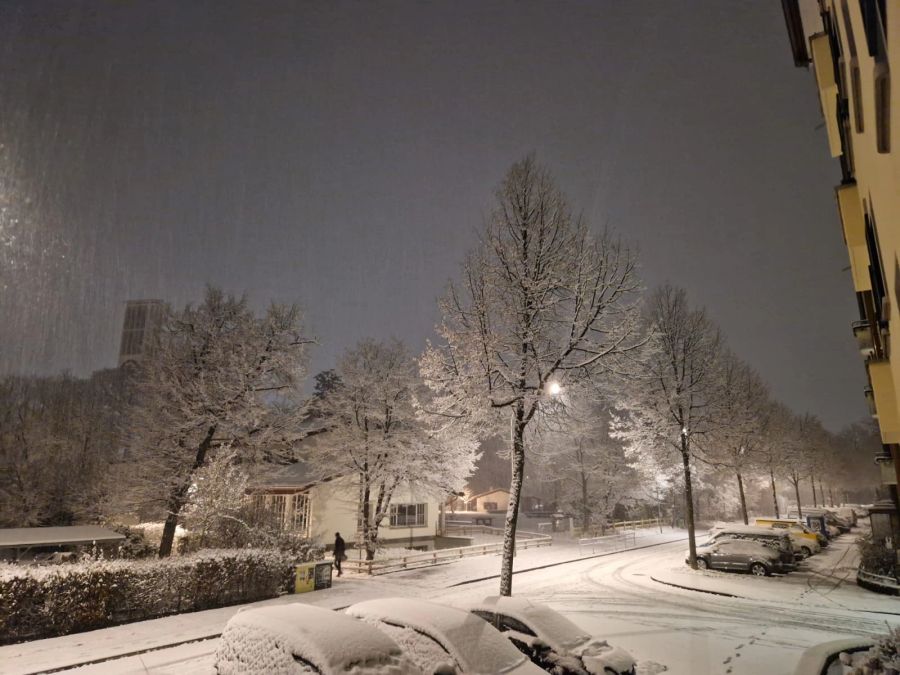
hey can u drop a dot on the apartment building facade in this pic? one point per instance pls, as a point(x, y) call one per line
point(851, 46)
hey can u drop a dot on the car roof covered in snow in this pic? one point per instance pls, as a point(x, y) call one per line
point(740, 528)
point(549, 625)
point(476, 645)
point(329, 640)
point(744, 546)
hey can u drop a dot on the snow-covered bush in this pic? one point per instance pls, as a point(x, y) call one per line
point(882, 659)
point(37, 602)
point(875, 557)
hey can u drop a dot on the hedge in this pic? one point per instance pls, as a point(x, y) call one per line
point(39, 602)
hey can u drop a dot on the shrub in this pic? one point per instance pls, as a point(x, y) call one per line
point(875, 557)
point(38, 602)
point(882, 659)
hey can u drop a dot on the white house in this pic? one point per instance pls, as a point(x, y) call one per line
point(493, 500)
point(319, 508)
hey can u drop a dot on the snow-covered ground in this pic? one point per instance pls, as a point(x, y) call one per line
point(616, 595)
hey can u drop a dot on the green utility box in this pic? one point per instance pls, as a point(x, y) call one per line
point(312, 576)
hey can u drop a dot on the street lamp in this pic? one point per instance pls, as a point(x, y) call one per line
point(554, 388)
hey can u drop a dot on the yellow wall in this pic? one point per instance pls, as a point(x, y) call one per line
point(877, 175)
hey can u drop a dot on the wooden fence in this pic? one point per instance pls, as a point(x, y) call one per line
point(524, 540)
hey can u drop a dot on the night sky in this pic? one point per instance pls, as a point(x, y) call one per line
point(343, 155)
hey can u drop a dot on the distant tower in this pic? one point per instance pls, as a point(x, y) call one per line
point(143, 318)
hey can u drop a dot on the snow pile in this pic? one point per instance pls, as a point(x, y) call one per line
point(304, 639)
point(38, 602)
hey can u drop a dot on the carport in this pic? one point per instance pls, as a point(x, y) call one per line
point(17, 542)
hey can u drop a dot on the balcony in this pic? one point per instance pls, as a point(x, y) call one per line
point(823, 62)
point(850, 208)
point(882, 382)
point(862, 331)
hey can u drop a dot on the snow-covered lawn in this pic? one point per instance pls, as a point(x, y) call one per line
point(613, 596)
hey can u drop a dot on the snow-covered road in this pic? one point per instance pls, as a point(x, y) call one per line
point(616, 596)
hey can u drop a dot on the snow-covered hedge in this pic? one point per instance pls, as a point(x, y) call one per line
point(37, 602)
point(882, 659)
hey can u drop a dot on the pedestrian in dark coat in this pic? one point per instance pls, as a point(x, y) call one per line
point(339, 548)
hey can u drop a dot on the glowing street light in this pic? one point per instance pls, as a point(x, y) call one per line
point(554, 388)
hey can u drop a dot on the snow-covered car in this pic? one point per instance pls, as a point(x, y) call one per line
point(738, 555)
point(804, 540)
point(552, 641)
point(778, 540)
point(302, 639)
point(445, 640)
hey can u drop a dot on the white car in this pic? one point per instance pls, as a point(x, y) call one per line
point(301, 639)
point(550, 639)
point(445, 640)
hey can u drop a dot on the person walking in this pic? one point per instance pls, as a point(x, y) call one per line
point(339, 548)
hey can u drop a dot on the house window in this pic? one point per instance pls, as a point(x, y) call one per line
point(490, 506)
point(407, 515)
point(286, 512)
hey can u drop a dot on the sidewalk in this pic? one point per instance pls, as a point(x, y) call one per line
point(69, 650)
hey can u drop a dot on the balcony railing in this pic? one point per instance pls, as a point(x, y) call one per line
point(862, 331)
point(870, 401)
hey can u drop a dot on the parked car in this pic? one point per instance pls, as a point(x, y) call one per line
point(552, 641)
point(834, 525)
point(738, 555)
point(299, 638)
point(778, 540)
point(803, 539)
point(849, 514)
point(445, 640)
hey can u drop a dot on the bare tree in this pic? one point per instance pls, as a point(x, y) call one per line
point(741, 403)
point(589, 465)
point(541, 301)
point(219, 376)
point(58, 437)
point(674, 402)
point(377, 433)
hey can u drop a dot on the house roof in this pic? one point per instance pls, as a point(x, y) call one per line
point(23, 537)
point(297, 475)
point(489, 492)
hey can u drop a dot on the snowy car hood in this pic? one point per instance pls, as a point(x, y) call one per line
point(607, 657)
point(551, 626)
point(477, 646)
point(561, 634)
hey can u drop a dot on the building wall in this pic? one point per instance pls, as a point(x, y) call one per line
point(863, 130)
point(333, 509)
point(499, 498)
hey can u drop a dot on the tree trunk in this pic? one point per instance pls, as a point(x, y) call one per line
point(740, 482)
point(366, 513)
point(689, 503)
point(774, 493)
point(812, 482)
point(178, 498)
point(796, 483)
point(585, 511)
point(515, 493)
